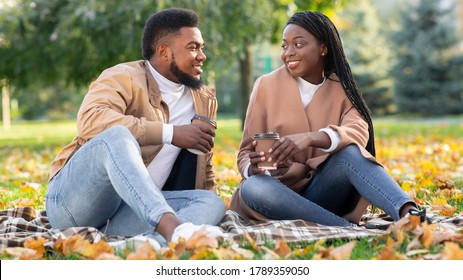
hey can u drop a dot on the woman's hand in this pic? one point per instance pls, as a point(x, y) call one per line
point(255, 158)
point(288, 146)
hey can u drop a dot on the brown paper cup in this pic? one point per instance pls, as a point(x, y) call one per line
point(201, 120)
point(264, 143)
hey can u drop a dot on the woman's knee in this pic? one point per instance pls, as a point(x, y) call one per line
point(351, 152)
point(258, 188)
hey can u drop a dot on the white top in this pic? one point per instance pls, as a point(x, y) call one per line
point(181, 110)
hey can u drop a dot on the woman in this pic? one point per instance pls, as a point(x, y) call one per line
point(326, 172)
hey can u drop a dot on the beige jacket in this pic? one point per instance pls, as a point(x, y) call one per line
point(127, 94)
point(276, 105)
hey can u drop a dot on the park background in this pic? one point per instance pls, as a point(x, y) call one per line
point(407, 57)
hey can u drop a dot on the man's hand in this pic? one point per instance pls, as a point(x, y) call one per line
point(194, 136)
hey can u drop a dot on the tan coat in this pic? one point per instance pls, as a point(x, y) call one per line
point(127, 94)
point(276, 105)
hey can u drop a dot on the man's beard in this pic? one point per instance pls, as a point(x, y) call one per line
point(184, 78)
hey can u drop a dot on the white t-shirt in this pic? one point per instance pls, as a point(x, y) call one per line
point(181, 109)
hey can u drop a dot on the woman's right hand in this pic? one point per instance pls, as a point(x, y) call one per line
point(255, 158)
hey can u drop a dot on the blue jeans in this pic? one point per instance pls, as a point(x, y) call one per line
point(332, 193)
point(106, 185)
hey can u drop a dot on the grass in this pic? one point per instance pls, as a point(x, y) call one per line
point(425, 156)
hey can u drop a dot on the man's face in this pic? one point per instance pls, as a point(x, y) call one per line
point(187, 57)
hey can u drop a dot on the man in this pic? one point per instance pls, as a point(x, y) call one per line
point(128, 172)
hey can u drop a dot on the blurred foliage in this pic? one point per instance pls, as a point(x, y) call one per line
point(428, 71)
point(368, 54)
point(48, 44)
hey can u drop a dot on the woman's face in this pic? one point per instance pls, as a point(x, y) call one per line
point(302, 54)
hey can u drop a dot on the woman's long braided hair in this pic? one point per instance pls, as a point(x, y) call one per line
point(322, 28)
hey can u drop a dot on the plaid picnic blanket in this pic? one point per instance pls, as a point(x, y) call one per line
point(19, 224)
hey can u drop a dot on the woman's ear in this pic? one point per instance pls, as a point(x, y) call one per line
point(323, 50)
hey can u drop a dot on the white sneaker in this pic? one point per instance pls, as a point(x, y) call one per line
point(134, 243)
point(186, 230)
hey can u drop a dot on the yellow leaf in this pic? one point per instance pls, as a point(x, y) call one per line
point(282, 249)
point(452, 252)
point(108, 257)
point(445, 210)
point(96, 249)
point(20, 253)
point(427, 236)
point(30, 187)
point(36, 244)
point(200, 239)
point(251, 241)
point(143, 252)
point(22, 202)
point(343, 252)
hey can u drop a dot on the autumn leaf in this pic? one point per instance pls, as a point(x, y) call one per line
point(20, 253)
point(76, 244)
point(452, 252)
point(143, 252)
point(200, 239)
point(389, 252)
point(30, 187)
point(427, 236)
point(232, 253)
point(445, 210)
point(36, 244)
point(282, 249)
point(343, 252)
point(251, 241)
point(269, 254)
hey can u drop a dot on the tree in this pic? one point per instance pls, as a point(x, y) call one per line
point(368, 53)
point(66, 42)
point(428, 70)
point(234, 27)
point(50, 41)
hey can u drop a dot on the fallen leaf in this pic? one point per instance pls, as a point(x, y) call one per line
point(143, 252)
point(282, 249)
point(343, 252)
point(20, 253)
point(200, 239)
point(36, 244)
point(445, 210)
point(427, 236)
point(452, 252)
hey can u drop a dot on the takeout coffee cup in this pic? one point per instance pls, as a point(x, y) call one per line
point(264, 143)
point(202, 120)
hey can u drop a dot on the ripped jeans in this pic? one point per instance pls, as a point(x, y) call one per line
point(106, 185)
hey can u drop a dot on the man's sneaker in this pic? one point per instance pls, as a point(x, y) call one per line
point(186, 230)
point(134, 243)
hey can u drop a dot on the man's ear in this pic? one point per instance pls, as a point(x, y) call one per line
point(163, 51)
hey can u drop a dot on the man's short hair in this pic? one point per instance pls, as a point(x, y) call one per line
point(164, 24)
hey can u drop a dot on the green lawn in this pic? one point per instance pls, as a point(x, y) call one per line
point(425, 156)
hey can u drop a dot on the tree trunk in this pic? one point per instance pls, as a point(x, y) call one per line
point(6, 105)
point(246, 80)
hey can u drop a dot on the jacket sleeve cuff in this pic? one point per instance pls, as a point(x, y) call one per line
point(334, 137)
point(167, 133)
point(153, 134)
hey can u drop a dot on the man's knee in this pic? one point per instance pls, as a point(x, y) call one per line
point(119, 134)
